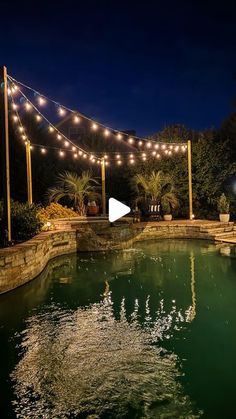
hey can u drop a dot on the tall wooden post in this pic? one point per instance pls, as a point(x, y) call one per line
point(103, 176)
point(29, 172)
point(5, 164)
point(190, 189)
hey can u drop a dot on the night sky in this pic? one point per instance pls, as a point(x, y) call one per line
point(131, 65)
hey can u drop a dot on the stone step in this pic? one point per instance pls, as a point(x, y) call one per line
point(226, 234)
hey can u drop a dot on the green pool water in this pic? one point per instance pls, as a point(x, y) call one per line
point(148, 332)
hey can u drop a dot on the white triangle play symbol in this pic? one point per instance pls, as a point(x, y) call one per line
point(117, 210)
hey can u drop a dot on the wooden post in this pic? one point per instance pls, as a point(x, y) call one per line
point(5, 166)
point(29, 172)
point(103, 176)
point(190, 190)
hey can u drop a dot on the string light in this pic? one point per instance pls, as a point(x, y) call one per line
point(61, 153)
point(106, 132)
point(94, 126)
point(51, 129)
point(38, 118)
point(62, 108)
point(28, 106)
point(41, 101)
point(43, 150)
point(66, 143)
point(61, 111)
point(131, 140)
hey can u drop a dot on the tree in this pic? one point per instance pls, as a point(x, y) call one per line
point(157, 186)
point(76, 188)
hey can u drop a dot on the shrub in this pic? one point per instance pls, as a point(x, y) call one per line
point(24, 220)
point(55, 210)
point(223, 204)
point(166, 207)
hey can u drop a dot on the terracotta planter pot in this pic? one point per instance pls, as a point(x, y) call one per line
point(167, 217)
point(224, 218)
point(93, 210)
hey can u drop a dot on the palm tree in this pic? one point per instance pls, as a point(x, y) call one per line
point(76, 188)
point(158, 187)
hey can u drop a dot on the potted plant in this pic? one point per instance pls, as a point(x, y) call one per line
point(169, 202)
point(223, 208)
point(92, 208)
point(166, 208)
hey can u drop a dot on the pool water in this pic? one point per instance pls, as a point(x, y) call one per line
point(148, 332)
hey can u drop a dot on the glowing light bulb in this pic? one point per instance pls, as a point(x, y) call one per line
point(94, 126)
point(169, 152)
point(80, 152)
point(144, 158)
point(28, 106)
point(41, 101)
point(93, 160)
point(24, 137)
point(177, 148)
point(106, 132)
point(118, 156)
point(59, 137)
point(66, 143)
point(156, 146)
point(143, 154)
point(61, 153)
point(166, 151)
point(76, 119)
point(158, 156)
point(132, 161)
point(75, 155)
point(106, 163)
point(14, 106)
point(31, 147)
point(131, 140)
point(131, 156)
point(163, 146)
point(153, 153)
point(119, 136)
point(73, 148)
point(21, 129)
point(119, 162)
point(61, 111)
point(51, 129)
point(105, 156)
point(15, 119)
point(171, 147)
point(149, 144)
point(85, 156)
point(38, 117)
point(140, 143)
point(43, 150)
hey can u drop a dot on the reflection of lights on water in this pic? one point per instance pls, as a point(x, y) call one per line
point(85, 362)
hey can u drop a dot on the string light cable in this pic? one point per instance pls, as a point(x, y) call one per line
point(131, 139)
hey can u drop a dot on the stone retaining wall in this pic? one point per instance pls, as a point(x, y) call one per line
point(23, 262)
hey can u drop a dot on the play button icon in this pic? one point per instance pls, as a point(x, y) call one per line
point(117, 210)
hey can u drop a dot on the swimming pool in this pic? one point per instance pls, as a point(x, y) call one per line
point(143, 333)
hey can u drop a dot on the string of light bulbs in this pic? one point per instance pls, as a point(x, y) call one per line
point(52, 128)
point(107, 131)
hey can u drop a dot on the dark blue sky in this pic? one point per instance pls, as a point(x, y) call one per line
point(128, 64)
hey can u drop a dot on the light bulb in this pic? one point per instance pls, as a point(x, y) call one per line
point(119, 136)
point(119, 162)
point(61, 111)
point(132, 161)
point(73, 148)
point(106, 132)
point(156, 146)
point(38, 117)
point(59, 137)
point(85, 156)
point(76, 119)
point(21, 129)
point(51, 129)
point(140, 143)
point(61, 153)
point(28, 106)
point(75, 155)
point(131, 140)
point(41, 100)
point(149, 144)
point(43, 150)
point(118, 156)
point(80, 152)
point(158, 156)
point(66, 143)
point(94, 126)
